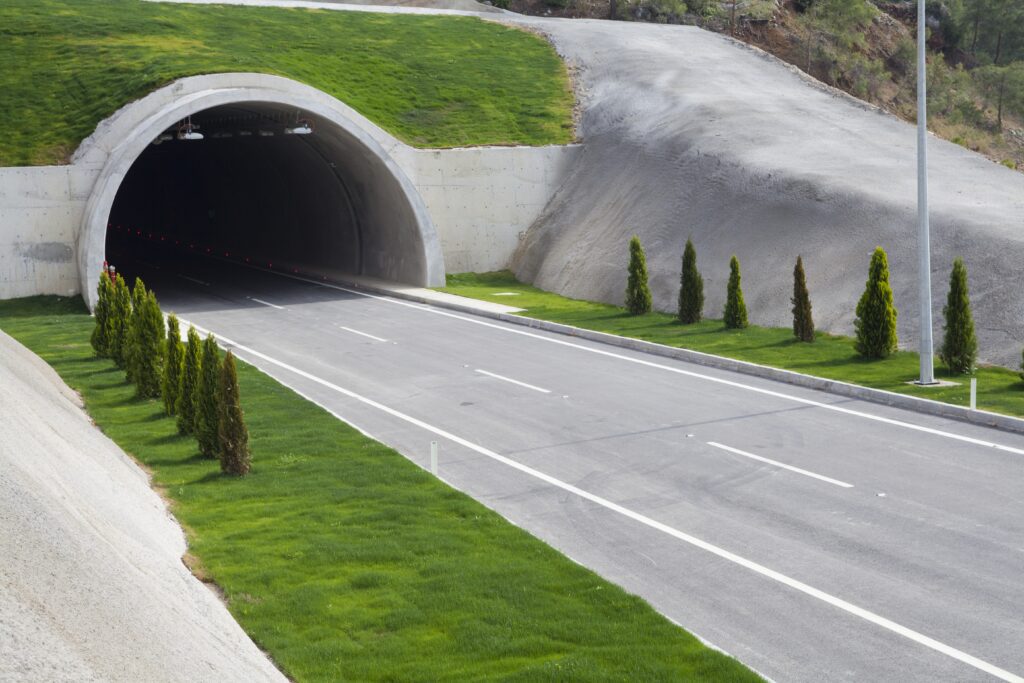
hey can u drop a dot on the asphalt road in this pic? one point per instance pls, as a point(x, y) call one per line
point(866, 544)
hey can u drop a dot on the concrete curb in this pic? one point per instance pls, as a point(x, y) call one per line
point(830, 386)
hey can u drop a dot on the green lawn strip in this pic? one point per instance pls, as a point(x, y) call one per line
point(432, 81)
point(830, 356)
point(345, 561)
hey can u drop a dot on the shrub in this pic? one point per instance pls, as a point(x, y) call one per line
point(129, 351)
point(232, 435)
point(735, 313)
point(147, 353)
point(803, 323)
point(174, 357)
point(206, 398)
point(691, 288)
point(638, 294)
point(959, 345)
point(186, 404)
point(120, 312)
point(876, 315)
point(102, 332)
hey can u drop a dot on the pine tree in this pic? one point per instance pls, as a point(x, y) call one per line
point(149, 347)
point(134, 328)
point(232, 435)
point(876, 314)
point(803, 323)
point(206, 398)
point(186, 404)
point(959, 345)
point(691, 288)
point(120, 312)
point(638, 294)
point(735, 313)
point(101, 333)
point(174, 356)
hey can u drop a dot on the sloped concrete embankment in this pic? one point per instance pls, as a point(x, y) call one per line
point(93, 586)
point(687, 133)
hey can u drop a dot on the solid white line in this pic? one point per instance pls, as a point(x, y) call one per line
point(513, 381)
point(783, 465)
point(848, 607)
point(349, 329)
point(192, 279)
point(689, 373)
point(265, 303)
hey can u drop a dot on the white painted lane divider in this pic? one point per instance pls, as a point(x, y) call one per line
point(265, 303)
point(839, 603)
point(783, 465)
point(513, 381)
point(362, 334)
point(192, 279)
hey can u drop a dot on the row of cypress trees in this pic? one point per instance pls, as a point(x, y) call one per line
point(875, 323)
point(196, 387)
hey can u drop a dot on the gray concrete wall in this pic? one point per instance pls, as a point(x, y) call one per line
point(475, 203)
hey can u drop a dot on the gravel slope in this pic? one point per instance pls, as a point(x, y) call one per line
point(93, 587)
point(688, 133)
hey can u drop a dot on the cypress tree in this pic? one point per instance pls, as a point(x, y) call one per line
point(803, 323)
point(735, 312)
point(120, 311)
point(876, 314)
point(186, 402)
point(959, 345)
point(174, 357)
point(149, 348)
point(206, 398)
point(101, 333)
point(638, 294)
point(232, 435)
point(134, 329)
point(691, 288)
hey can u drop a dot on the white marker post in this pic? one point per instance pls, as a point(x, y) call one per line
point(974, 393)
point(433, 458)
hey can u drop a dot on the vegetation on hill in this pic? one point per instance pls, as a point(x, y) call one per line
point(432, 81)
point(867, 48)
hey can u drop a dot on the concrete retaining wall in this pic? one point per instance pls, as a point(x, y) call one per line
point(480, 200)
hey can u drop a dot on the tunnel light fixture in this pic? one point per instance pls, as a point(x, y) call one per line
point(244, 133)
point(303, 128)
point(221, 134)
point(187, 131)
point(266, 133)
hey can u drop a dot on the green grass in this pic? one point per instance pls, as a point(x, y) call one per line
point(345, 561)
point(999, 389)
point(432, 81)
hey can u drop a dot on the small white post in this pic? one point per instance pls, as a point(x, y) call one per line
point(974, 393)
point(433, 458)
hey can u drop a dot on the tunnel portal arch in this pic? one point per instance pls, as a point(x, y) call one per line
point(391, 228)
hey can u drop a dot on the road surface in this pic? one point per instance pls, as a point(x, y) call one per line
point(812, 537)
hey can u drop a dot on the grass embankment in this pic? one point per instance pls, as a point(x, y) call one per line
point(345, 561)
point(432, 81)
point(830, 356)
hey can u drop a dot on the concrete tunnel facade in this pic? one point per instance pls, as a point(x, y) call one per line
point(332, 201)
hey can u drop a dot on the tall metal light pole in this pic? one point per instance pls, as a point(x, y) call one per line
point(923, 238)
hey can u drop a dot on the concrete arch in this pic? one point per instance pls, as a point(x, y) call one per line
point(399, 242)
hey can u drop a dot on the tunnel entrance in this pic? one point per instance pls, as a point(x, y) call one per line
point(259, 183)
point(280, 177)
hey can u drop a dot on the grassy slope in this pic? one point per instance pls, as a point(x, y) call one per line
point(347, 562)
point(830, 356)
point(432, 81)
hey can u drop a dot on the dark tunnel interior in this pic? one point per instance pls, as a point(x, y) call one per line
point(268, 185)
